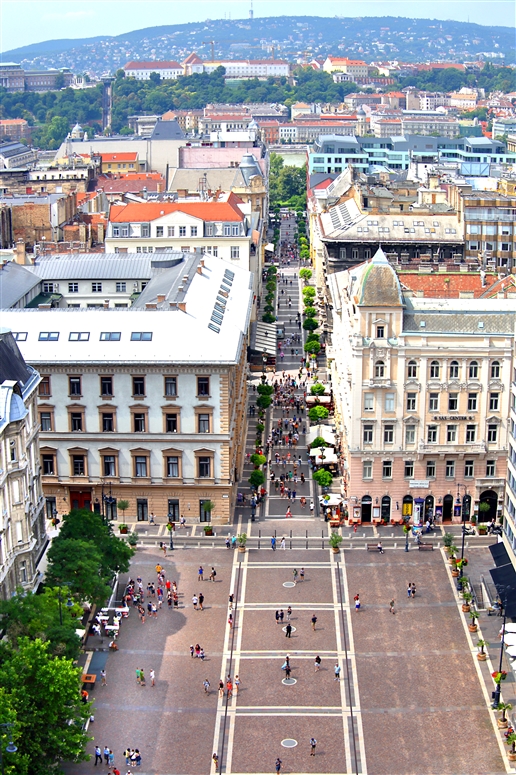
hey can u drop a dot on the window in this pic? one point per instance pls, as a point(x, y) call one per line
point(78, 467)
point(490, 467)
point(141, 336)
point(47, 463)
point(45, 421)
point(204, 467)
point(473, 370)
point(454, 370)
point(492, 433)
point(451, 434)
point(430, 469)
point(368, 434)
point(20, 336)
point(367, 469)
point(110, 336)
point(182, 231)
point(433, 402)
point(193, 231)
point(411, 402)
point(139, 422)
point(96, 287)
point(78, 336)
point(108, 422)
point(203, 386)
point(173, 466)
point(73, 287)
point(76, 423)
point(387, 469)
point(471, 433)
point(450, 469)
point(368, 402)
point(170, 231)
point(380, 332)
point(235, 252)
point(453, 402)
point(203, 423)
point(435, 370)
point(494, 402)
point(410, 434)
point(472, 402)
point(495, 370)
point(138, 386)
point(121, 287)
point(389, 402)
point(116, 231)
point(140, 466)
point(74, 386)
point(412, 370)
point(48, 336)
point(431, 435)
point(159, 231)
point(209, 230)
point(409, 469)
point(109, 465)
point(44, 387)
point(48, 287)
point(227, 231)
point(145, 230)
point(171, 423)
point(171, 386)
point(235, 231)
point(469, 469)
point(106, 386)
point(388, 434)
point(379, 369)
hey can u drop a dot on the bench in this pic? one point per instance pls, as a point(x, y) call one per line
point(426, 547)
point(89, 679)
point(373, 548)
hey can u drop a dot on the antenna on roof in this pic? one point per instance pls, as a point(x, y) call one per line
point(251, 12)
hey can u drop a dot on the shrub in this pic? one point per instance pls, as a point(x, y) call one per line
point(271, 285)
point(305, 274)
point(312, 348)
point(317, 413)
point(260, 427)
point(318, 442)
point(258, 460)
point(313, 337)
point(268, 308)
point(265, 390)
point(310, 324)
point(310, 312)
point(318, 389)
point(309, 290)
point(263, 401)
point(256, 479)
point(268, 317)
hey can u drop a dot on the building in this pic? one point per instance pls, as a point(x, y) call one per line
point(39, 218)
point(22, 520)
point(14, 129)
point(14, 78)
point(154, 412)
point(509, 505)
point(352, 67)
point(503, 126)
point(432, 100)
point(168, 71)
point(15, 154)
point(240, 68)
point(413, 123)
point(120, 162)
point(421, 386)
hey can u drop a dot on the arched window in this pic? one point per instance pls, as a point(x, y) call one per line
point(435, 369)
point(473, 370)
point(412, 369)
point(379, 369)
point(454, 370)
point(495, 370)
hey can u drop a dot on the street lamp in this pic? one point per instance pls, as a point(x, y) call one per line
point(496, 694)
point(170, 532)
point(464, 516)
point(10, 748)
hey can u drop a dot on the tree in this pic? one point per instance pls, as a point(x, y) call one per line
point(256, 479)
point(305, 274)
point(258, 460)
point(318, 389)
point(322, 477)
point(312, 348)
point(265, 390)
point(155, 78)
point(319, 442)
point(263, 402)
point(310, 312)
point(317, 413)
point(310, 324)
point(44, 693)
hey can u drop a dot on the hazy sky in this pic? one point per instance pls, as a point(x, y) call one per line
point(32, 21)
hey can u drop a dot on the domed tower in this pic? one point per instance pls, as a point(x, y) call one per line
point(77, 132)
point(361, 122)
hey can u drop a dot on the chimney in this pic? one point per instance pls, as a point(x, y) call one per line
point(106, 303)
point(182, 306)
point(161, 298)
point(199, 269)
point(19, 252)
point(151, 305)
point(202, 262)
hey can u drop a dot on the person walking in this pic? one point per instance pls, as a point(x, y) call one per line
point(281, 615)
point(200, 573)
point(278, 764)
point(314, 622)
point(229, 687)
point(294, 573)
point(103, 678)
point(301, 574)
point(152, 676)
point(138, 676)
point(288, 630)
point(106, 755)
point(336, 671)
point(201, 601)
point(273, 543)
point(213, 574)
point(282, 544)
point(142, 677)
point(98, 755)
point(277, 617)
point(313, 743)
point(221, 688)
point(287, 672)
point(236, 686)
point(357, 602)
point(409, 590)
point(289, 613)
point(413, 589)
point(228, 543)
point(195, 601)
point(206, 685)
point(317, 663)
point(391, 606)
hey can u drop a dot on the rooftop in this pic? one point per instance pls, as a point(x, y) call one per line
point(225, 209)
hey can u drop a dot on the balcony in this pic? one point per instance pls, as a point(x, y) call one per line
point(475, 448)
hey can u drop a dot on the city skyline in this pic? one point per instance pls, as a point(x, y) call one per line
point(56, 19)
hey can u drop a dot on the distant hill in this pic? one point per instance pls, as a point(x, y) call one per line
point(295, 38)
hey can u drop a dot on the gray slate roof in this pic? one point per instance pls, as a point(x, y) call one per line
point(103, 266)
point(15, 282)
point(443, 322)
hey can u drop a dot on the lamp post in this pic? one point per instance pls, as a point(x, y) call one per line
point(464, 515)
point(498, 690)
point(10, 748)
point(171, 531)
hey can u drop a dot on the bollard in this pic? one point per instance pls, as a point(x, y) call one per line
point(291, 544)
point(291, 535)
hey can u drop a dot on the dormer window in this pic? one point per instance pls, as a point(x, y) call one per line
point(380, 332)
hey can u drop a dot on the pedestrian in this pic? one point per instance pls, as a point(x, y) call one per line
point(201, 573)
point(409, 590)
point(313, 743)
point(288, 514)
point(152, 677)
point(111, 758)
point(289, 613)
point(195, 600)
point(182, 522)
point(221, 688)
point(413, 589)
point(215, 760)
point(287, 672)
point(230, 621)
point(127, 754)
point(281, 615)
point(317, 663)
point(213, 574)
point(277, 617)
point(236, 686)
point(202, 655)
point(391, 606)
point(229, 687)
point(192, 651)
point(379, 547)
point(138, 677)
point(278, 764)
point(314, 621)
point(98, 755)
point(103, 678)
point(288, 630)
point(106, 755)
point(206, 685)
point(197, 650)
point(230, 601)
point(201, 601)
point(336, 670)
point(282, 544)
point(294, 573)
point(357, 602)
point(142, 678)
point(301, 574)
point(159, 568)
point(273, 543)
point(228, 543)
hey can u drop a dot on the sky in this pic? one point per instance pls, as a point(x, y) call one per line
point(33, 21)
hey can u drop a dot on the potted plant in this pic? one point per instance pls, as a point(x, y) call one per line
point(481, 656)
point(448, 540)
point(207, 507)
point(454, 571)
point(462, 563)
point(335, 541)
point(132, 539)
point(473, 627)
point(511, 740)
point(124, 529)
point(473, 520)
point(242, 540)
point(467, 597)
point(482, 530)
point(452, 551)
point(463, 583)
point(503, 707)
point(122, 506)
point(208, 530)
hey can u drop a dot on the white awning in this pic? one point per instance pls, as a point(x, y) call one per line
point(329, 455)
point(270, 247)
point(321, 430)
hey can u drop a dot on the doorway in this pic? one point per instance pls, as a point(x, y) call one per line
point(173, 509)
point(204, 513)
point(386, 509)
point(447, 508)
point(429, 507)
point(491, 498)
point(79, 499)
point(142, 509)
point(408, 507)
point(367, 502)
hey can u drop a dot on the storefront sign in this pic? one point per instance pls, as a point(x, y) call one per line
point(453, 417)
point(423, 483)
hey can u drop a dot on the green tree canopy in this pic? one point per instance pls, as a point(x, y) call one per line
point(318, 389)
point(317, 413)
point(256, 479)
point(322, 477)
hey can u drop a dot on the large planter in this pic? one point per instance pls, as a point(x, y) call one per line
point(481, 656)
point(502, 723)
point(124, 530)
point(335, 549)
point(466, 608)
point(482, 530)
point(511, 756)
point(241, 548)
point(455, 574)
point(208, 531)
point(472, 627)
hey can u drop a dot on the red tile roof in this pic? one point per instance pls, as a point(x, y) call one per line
point(446, 285)
point(118, 157)
point(153, 66)
point(150, 211)
point(12, 121)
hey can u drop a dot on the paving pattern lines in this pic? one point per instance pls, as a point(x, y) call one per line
point(422, 707)
point(258, 651)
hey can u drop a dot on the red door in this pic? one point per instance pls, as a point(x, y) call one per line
point(80, 499)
